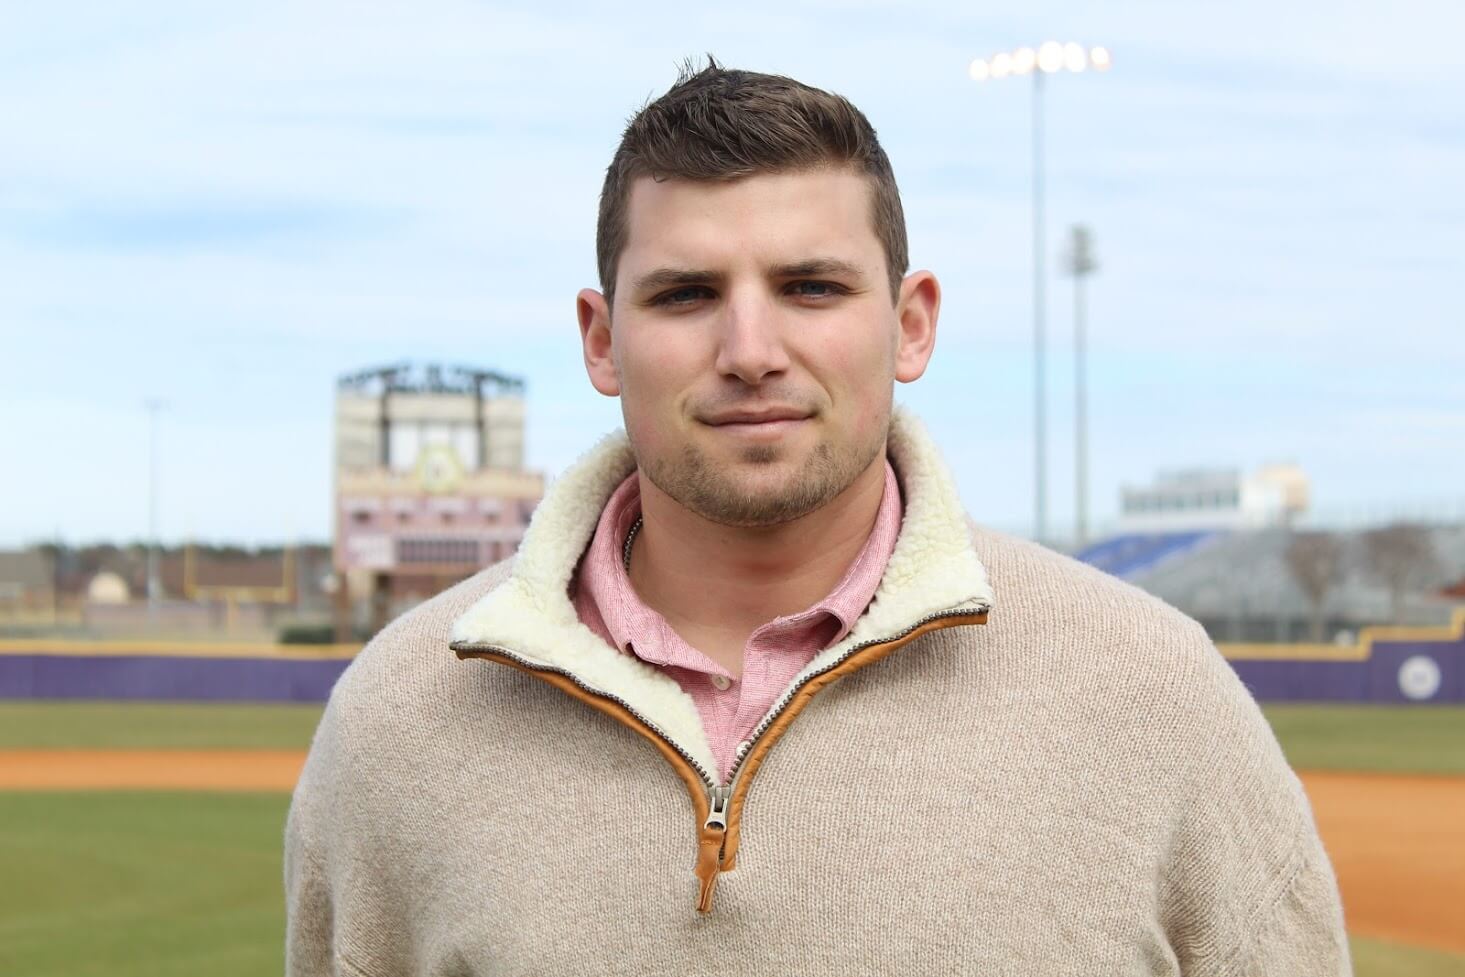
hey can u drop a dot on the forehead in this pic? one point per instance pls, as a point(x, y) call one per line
point(767, 216)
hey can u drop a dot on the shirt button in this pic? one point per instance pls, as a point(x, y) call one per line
point(721, 681)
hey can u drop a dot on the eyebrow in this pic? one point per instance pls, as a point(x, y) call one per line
point(808, 268)
point(663, 277)
point(813, 267)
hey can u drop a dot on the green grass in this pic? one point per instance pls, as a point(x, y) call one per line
point(163, 884)
point(1383, 739)
point(1375, 958)
point(149, 725)
point(173, 884)
point(134, 884)
point(1391, 739)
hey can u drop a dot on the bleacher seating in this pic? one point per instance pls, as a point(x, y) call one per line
point(1133, 554)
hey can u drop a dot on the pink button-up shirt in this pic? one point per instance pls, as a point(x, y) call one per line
point(730, 707)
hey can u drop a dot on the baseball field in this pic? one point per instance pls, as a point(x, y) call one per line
point(145, 839)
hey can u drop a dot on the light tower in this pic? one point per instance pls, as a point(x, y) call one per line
point(154, 586)
point(1082, 262)
point(1048, 58)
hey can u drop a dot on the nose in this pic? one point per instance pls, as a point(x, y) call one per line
point(750, 344)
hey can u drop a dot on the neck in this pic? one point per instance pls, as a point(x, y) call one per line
point(721, 583)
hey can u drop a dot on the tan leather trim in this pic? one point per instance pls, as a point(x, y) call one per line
point(696, 788)
point(709, 845)
point(801, 698)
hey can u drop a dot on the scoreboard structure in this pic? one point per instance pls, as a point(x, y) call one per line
point(430, 485)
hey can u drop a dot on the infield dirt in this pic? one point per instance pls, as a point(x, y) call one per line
point(1397, 842)
point(245, 770)
point(1398, 845)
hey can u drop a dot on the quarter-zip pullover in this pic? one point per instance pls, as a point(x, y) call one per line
point(1079, 786)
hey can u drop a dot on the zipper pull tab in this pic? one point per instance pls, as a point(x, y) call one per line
point(717, 811)
point(709, 846)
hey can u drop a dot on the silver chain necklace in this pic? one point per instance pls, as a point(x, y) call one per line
point(630, 538)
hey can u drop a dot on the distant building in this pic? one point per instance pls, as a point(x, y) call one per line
point(430, 483)
point(1214, 499)
point(108, 588)
point(27, 580)
point(203, 589)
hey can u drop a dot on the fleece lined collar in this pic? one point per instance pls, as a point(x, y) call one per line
point(933, 569)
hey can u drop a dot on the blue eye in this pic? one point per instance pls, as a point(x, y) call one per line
point(815, 290)
point(682, 296)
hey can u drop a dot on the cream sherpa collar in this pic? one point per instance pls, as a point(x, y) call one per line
point(932, 569)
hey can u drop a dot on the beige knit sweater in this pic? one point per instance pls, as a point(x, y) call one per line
point(1079, 787)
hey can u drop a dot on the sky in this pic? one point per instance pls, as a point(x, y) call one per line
point(225, 207)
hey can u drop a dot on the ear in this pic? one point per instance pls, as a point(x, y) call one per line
point(915, 312)
point(594, 314)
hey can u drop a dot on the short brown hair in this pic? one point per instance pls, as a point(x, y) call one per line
point(720, 124)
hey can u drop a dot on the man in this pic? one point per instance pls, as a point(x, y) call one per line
point(732, 710)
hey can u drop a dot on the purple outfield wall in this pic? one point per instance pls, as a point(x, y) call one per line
point(1388, 665)
point(167, 677)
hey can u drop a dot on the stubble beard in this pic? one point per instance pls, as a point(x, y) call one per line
point(702, 486)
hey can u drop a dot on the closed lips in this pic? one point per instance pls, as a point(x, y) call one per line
point(752, 418)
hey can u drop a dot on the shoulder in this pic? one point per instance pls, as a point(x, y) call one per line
point(389, 706)
point(1043, 590)
point(407, 666)
point(1110, 649)
point(1123, 664)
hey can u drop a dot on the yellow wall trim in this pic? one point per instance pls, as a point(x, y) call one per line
point(1362, 650)
point(174, 649)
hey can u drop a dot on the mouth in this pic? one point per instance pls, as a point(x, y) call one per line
point(758, 424)
point(760, 427)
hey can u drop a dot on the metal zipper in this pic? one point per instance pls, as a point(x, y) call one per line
point(713, 788)
point(717, 808)
point(719, 796)
point(790, 693)
point(471, 648)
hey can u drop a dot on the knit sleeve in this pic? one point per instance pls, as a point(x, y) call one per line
point(312, 904)
point(1302, 933)
point(309, 908)
point(1247, 889)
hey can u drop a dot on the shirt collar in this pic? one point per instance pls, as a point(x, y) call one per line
point(628, 620)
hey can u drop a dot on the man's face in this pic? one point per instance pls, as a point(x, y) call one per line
point(753, 342)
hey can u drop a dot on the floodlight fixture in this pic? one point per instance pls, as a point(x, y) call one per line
point(1050, 57)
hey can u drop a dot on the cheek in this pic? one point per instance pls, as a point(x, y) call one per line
point(854, 372)
point(655, 370)
point(646, 363)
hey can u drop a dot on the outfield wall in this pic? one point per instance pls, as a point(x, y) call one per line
point(1386, 665)
point(176, 671)
point(1390, 665)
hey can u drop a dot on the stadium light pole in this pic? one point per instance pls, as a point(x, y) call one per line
point(154, 587)
point(1082, 262)
point(1048, 58)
